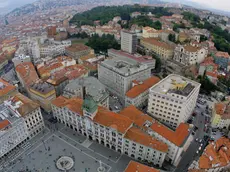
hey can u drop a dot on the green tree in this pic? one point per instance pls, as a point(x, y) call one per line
point(172, 37)
point(158, 63)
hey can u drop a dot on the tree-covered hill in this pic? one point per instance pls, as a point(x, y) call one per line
point(106, 13)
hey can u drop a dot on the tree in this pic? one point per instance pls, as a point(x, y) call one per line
point(158, 63)
point(203, 38)
point(102, 43)
point(172, 37)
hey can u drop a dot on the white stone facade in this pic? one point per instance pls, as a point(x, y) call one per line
point(173, 99)
point(189, 55)
point(128, 41)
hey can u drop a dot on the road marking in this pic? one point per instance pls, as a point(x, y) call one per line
point(82, 151)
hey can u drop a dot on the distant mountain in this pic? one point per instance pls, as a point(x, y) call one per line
point(9, 5)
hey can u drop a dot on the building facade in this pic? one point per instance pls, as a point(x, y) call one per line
point(108, 128)
point(173, 99)
point(189, 55)
point(128, 41)
point(43, 93)
point(221, 115)
point(118, 73)
point(162, 49)
point(20, 120)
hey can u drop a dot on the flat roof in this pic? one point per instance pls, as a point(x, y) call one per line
point(175, 84)
point(124, 66)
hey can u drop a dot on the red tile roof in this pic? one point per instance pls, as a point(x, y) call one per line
point(142, 87)
point(138, 167)
point(4, 124)
point(177, 137)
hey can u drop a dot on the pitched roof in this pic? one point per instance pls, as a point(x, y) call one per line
point(27, 105)
point(138, 167)
point(137, 135)
point(216, 154)
point(158, 43)
point(176, 137)
point(27, 72)
point(103, 116)
point(6, 87)
point(191, 48)
point(77, 48)
point(4, 123)
point(142, 87)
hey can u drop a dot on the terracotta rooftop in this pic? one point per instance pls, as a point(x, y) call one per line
point(222, 54)
point(138, 167)
point(103, 116)
point(142, 87)
point(4, 124)
point(77, 47)
point(141, 137)
point(216, 154)
point(191, 48)
point(157, 43)
point(5, 87)
point(27, 72)
point(27, 105)
point(177, 137)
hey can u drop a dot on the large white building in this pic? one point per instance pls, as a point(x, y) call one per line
point(130, 132)
point(128, 41)
point(109, 129)
point(173, 99)
point(189, 55)
point(118, 73)
point(20, 119)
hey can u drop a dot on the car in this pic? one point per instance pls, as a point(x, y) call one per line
point(199, 148)
point(197, 139)
point(201, 144)
point(197, 152)
point(200, 140)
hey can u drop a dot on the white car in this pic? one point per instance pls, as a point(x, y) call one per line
point(200, 140)
point(197, 139)
point(197, 152)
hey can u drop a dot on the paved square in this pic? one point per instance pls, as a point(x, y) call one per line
point(40, 159)
point(48, 147)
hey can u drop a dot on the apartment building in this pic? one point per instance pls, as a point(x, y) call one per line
point(6, 90)
point(148, 60)
point(43, 93)
point(109, 129)
point(13, 130)
point(221, 115)
point(135, 166)
point(189, 54)
point(118, 73)
point(29, 110)
point(162, 49)
point(128, 41)
point(27, 75)
point(173, 99)
point(139, 93)
point(177, 140)
point(76, 51)
point(58, 82)
point(88, 86)
point(215, 157)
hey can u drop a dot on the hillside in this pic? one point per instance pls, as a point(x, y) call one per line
point(107, 13)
